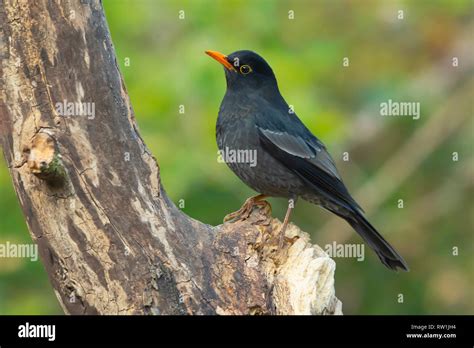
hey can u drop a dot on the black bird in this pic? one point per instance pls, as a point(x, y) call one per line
point(290, 161)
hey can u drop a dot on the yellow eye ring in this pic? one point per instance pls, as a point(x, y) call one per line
point(245, 69)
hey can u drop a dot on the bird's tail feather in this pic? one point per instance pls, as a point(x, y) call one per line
point(386, 253)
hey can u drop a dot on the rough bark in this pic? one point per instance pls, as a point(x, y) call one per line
point(109, 237)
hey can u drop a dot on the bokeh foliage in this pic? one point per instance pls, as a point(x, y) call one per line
point(167, 68)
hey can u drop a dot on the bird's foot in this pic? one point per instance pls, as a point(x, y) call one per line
point(244, 212)
point(284, 239)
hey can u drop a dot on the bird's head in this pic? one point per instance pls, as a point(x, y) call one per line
point(246, 70)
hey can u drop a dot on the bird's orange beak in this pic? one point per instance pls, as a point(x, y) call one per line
point(221, 58)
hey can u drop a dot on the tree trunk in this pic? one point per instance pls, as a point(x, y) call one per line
point(111, 240)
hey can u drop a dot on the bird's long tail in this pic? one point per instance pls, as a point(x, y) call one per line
point(386, 253)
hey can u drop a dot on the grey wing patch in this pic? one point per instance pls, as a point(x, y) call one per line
point(316, 167)
point(291, 144)
point(313, 152)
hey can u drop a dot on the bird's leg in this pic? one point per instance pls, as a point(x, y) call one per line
point(291, 205)
point(244, 212)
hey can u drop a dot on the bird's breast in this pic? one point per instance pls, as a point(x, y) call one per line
point(239, 147)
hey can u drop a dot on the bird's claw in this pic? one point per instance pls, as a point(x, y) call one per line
point(284, 239)
point(244, 212)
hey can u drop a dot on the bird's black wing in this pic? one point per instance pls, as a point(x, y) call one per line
point(291, 143)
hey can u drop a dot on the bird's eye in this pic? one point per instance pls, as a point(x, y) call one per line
point(245, 69)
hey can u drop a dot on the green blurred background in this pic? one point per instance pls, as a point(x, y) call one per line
point(391, 158)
